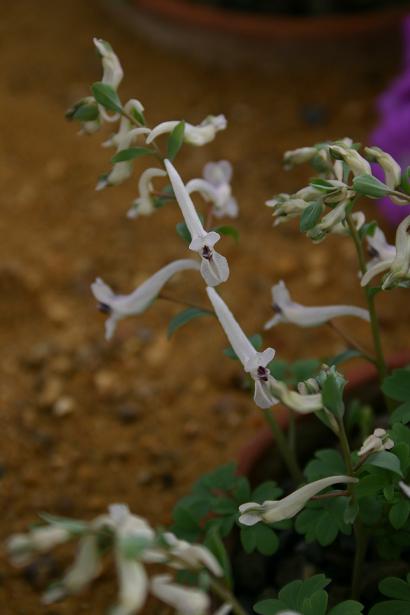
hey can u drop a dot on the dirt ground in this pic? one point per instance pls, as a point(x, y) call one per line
point(85, 423)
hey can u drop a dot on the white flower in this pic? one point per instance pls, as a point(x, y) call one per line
point(192, 556)
point(357, 164)
point(216, 187)
point(377, 441)
point(121, 306)
point(214, 266)
point(185, 600)
point(194, 135)
point(392, 170)
point(86, 567)
point(299, 156)
point(144, 205)
point(112, 73)
point(255, 363)
point(272, 511)
point(122, 140)
point(288, 206)
point(303, 403)
point(405, 488)
point(399, 274)
point(287, 310)
point(112, 69)
point(131, 573)
point(383, 256)
point(21, 547)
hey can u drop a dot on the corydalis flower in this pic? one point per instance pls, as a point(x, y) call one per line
point(126, 136)
point(272, 511)
point(22, 547)
point(355, 161)
point(194, 135)
point(121, 306)
point(214, 266)
point(215, 187)
point(394, 259)
point(382, 253)
point(301, 402)
point(255, 363)
point(112, 69)
point(182, 555)
point(120, 526)
point(185, 600)
point(144, 204)
point(376, 442)
point(287, 310)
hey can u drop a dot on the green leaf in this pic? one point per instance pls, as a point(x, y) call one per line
point(327, 462)
point(184, 317)
point(175, 140)
point(344, 356)
point(269, 607)
point(391, 607)
point(304, 369)
point(332, 394)
point(370, 186)
point(228, 230)
point(322, 184)
point(84, 113)
point(310, 216)
point(368, 229)
point(106, 96)
point(349, 607)
point(268, 490)
point(401, 414)
point(73, 526)
point(182, 231)
point(397, 386)
point(138, 115)
point(131, 153)
point(266, 539)
point(398, 515)
point(385, 460)
point(256, 341)
point(393, 587)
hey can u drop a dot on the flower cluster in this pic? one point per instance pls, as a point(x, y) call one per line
point(134, 544)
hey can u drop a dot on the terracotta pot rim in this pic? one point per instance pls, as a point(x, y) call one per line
point(268, 26)
point(254, 449)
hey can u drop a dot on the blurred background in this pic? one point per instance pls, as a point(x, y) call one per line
point(85, 423)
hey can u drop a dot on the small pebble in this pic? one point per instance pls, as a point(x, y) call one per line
point(63, 406)
point(128, 413)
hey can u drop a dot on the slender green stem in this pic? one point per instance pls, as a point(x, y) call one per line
point(359, 530)
point(226, 596)
point(287, 455)
point(359, 559)
point(374, 323)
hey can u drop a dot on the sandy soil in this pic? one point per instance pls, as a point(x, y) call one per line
point(144, 415)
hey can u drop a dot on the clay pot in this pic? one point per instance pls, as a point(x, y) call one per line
point(231, 37)
point(362, 378)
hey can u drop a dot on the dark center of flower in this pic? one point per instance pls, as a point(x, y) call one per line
point(262, 374)
point(372, 251)
point(207, 253)
point(104, 308)
point(277, 309)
